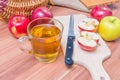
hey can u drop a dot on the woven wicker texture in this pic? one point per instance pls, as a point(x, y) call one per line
point(21, 7)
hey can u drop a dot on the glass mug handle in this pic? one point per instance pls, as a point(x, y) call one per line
point(24, 44)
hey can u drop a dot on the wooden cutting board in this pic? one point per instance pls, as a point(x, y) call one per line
point(90, 60)
point(92, 3)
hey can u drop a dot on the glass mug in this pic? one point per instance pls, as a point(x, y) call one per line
point(43, 40)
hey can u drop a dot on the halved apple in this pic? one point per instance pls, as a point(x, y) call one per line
point(88, 40)
point(90, 35)
point(89, 24)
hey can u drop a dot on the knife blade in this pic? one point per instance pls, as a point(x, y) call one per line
point(70, 40)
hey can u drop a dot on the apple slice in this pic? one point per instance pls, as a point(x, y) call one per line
point(88, 40)
point(89, 24)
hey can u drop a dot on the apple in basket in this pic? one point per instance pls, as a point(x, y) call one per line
point(89, 24)
point(18, 25)
point(41, 12)
point(88, 40)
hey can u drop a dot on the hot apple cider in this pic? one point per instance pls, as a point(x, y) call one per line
point(45, 41)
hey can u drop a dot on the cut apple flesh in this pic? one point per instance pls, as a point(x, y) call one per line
point(91, 21)
point(85, 26)
point(91, 35)
point(88, 24)
point(85, 44)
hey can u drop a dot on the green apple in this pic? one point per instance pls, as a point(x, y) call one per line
point(109, 28)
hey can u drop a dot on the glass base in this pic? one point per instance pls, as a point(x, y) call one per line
point(45, 60)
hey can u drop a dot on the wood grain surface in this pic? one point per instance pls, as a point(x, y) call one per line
point(16, 65)
point(92, 3)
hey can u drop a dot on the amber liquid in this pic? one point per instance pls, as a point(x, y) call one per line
point(46, 42)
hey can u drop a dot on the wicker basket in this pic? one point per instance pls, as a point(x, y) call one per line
point(21, 7)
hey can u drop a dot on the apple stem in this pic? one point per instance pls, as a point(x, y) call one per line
point(113, 20)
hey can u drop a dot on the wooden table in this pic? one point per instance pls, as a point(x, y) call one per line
point(92, 3)
point(16, 65)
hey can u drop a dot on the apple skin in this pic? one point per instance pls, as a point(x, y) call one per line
point(100, 11)
point(109, 28)
point(41, 12)
point(18, 25)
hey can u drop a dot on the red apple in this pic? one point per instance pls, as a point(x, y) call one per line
point(89, 24)
point(100, 11)
point(18, 25)
point(88, 40)
point(41, 12)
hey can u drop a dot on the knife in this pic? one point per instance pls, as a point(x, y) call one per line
point(70, 40)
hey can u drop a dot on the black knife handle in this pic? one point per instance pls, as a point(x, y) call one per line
point(69, 51)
